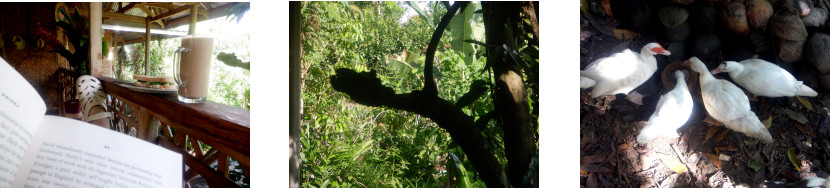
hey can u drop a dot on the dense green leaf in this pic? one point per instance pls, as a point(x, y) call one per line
point(477, 89)
point(464, 27)
point(421, 13)
point(465, 182)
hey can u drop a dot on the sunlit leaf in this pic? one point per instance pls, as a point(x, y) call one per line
point(672, 163)
point(421, 13)
point(464, 27)
point(805, 102)
point(398, 67)
point(362, 149)
point(463, 172)
point(794, 159)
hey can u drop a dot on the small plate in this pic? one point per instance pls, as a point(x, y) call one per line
point(148, 90)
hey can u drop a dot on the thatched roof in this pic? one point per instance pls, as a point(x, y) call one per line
point(127, 19)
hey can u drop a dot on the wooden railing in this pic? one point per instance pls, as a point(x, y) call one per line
point(185, 128)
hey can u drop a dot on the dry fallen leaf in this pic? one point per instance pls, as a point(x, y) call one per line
point(767, 122)
point(713, 159)
point(725, 148)
point(598, 158)
point(806, 129)
point(594, 168)
point(592, 180)
point(710, 133)
point(805, 102)
point(711, 121)
point(795, 115)
point(606, 5)
point(623, 34)
point(721, 136)
point(672, 163)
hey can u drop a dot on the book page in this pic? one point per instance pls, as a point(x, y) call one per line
point(70, 153)
point(21, 110)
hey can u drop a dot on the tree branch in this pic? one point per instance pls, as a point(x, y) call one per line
point(231, 60)
point(430, 89)
point(365, 88)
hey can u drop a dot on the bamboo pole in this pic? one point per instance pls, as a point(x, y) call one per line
point(194, 12)
point(95, 52)
point(147, 46)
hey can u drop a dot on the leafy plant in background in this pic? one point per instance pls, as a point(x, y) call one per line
point(347, 144)
point(75, 29)
point(229, 85)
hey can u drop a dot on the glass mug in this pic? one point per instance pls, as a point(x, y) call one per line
point(191, 68)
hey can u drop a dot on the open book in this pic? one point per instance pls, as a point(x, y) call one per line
point(49, 151)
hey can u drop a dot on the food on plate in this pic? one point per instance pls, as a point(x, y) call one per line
point(158, 82)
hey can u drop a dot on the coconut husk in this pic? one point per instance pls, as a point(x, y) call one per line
point(790, 51)
point(816, 18)
point(734, 18)
point(808, 75)
point(739, 53)
point(816, 52)
point(596, 9)
point(672, 16)
point(804, 7)
point(678, 51)
point(706, 19)
point(705, 46)
point(668, 79)
point(758, 13)
point(680, 32)
point(681, 2)
point(824, 79)
point(788, 27)
point(760, 42)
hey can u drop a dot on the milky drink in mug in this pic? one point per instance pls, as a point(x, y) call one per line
point(192, 64)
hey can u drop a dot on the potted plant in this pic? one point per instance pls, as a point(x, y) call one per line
point(75, 28)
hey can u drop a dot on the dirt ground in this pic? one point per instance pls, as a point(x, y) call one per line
point(611, 157)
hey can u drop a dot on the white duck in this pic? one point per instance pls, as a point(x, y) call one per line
point(728, 104)
point(672, 112)
point(622, 72)
point(763, 78)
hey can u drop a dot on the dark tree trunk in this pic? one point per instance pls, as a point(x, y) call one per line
point(295, 28)
point(501, 22)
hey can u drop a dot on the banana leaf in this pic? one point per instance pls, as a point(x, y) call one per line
point(467, 25)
